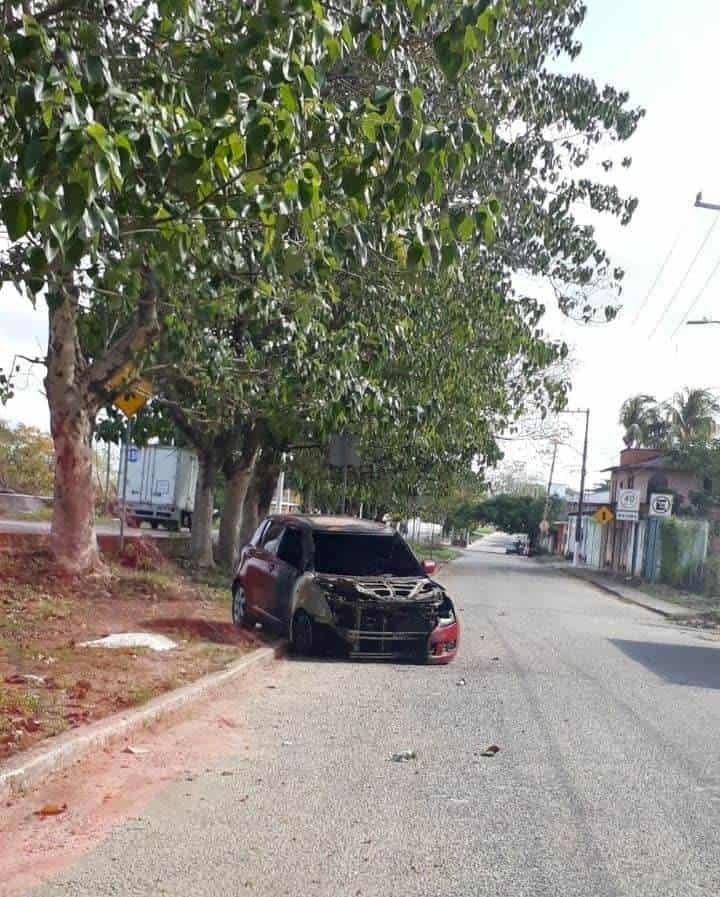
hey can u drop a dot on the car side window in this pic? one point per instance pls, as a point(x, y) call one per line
point(271, 536)
point(291, 548)
point(258, 534)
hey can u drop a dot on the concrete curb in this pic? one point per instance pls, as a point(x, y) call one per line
point(34, 766)
point(668, 615)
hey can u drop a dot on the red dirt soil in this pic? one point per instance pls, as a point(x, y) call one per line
point(48, 683)
point(111, 786)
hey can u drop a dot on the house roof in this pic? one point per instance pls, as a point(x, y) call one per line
point(660, 463)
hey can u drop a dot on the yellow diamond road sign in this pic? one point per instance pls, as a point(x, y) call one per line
point(136, 394)
point(603, 516)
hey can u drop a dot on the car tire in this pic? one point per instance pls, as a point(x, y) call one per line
point(240, 616)
point(304, 635)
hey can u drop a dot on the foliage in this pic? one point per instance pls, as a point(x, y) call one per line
point(27, 460)
point(302, 217)
point(677, 565)
point(513, 514)
point(690, 417)
point(711, 576)
point(638, 415)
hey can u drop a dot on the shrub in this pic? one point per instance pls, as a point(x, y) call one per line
point(711, 580)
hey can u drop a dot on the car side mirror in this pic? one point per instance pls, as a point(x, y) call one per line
point(429, 566)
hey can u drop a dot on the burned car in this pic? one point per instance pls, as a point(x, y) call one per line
point(341, 582)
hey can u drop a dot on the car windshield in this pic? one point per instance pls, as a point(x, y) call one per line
point(360, 554)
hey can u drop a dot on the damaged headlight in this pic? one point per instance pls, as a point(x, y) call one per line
point(446, 613)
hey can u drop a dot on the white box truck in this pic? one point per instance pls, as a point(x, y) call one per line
point(160, 487)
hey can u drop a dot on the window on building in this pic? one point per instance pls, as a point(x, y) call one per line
point(631, 482)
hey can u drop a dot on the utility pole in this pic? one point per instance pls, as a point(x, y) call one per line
point(550, 482)
point(578, 525)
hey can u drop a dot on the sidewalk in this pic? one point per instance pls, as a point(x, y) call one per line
point(615, 586)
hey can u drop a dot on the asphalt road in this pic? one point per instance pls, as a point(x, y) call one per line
point(607, 781)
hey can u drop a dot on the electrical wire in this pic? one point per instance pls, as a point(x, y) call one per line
point(689, 310)
point(661, 270)
point(692, 264)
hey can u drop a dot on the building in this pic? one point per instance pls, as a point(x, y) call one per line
point(650, 472)
point(591, 534)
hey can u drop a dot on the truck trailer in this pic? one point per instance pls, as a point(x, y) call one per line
point(160, 486)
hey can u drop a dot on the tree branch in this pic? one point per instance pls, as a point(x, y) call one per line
point(139, 336)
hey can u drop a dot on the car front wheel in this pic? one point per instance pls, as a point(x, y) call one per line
point(240, 615)
point(303, 634)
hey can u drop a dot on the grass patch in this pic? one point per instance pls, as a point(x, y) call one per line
point(678, 596)
point(140, 694)
point(424, 552)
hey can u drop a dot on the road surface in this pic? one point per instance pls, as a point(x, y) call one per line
point(607, 781)
point(112, 527)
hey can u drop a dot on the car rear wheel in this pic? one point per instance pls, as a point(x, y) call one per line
point(240, 616)
point(304, 641)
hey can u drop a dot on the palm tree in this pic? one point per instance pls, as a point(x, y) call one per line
point(692, 416)
point(638, 415)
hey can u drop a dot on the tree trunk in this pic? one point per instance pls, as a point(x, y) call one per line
point(249, 515)
point(72, 417)
point(267, 484)
point(308, 498)
point(236, 490)
point(201, 542)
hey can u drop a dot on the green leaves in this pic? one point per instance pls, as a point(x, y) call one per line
point(17, 215)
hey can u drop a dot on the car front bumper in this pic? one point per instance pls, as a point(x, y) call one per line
point(443, 643)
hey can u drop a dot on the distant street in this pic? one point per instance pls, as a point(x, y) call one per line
point(607, 781)
point(110, 528)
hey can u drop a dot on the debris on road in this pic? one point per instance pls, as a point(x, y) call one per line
point(51, 810)
point(461, 682)
point(404, 756)
point(132, 749)
point(490, 751)
point(287, 744)
point(228, 723)
point(132, 640)
point(494, 658)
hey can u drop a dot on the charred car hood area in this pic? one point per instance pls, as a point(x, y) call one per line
point(385, 616)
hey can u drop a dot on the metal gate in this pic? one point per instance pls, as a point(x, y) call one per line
point(652, 549)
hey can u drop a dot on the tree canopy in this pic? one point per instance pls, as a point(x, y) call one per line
point(301, 217)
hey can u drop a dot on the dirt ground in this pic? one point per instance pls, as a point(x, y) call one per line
point(49, 683)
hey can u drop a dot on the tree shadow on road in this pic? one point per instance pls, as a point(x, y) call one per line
point(694, 665)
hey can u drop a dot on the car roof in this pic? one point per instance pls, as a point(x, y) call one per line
point(328, 523)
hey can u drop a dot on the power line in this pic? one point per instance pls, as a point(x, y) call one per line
point(689, 310)
point(661, 271)
point(692, 264)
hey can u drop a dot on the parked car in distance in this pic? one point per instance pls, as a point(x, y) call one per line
point(519, 545)
point(346, 583)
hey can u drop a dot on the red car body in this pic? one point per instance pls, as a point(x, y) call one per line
point(350, 583)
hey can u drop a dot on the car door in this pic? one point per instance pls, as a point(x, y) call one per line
point(290, 562)
point(265, 569)
point(256, 567)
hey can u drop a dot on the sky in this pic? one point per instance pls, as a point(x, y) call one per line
point(665, 55)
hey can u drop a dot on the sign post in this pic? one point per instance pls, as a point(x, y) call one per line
point(134, 396)
point(123, 512)
point(343, 453)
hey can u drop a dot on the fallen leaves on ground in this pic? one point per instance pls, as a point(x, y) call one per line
point(51, 810)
